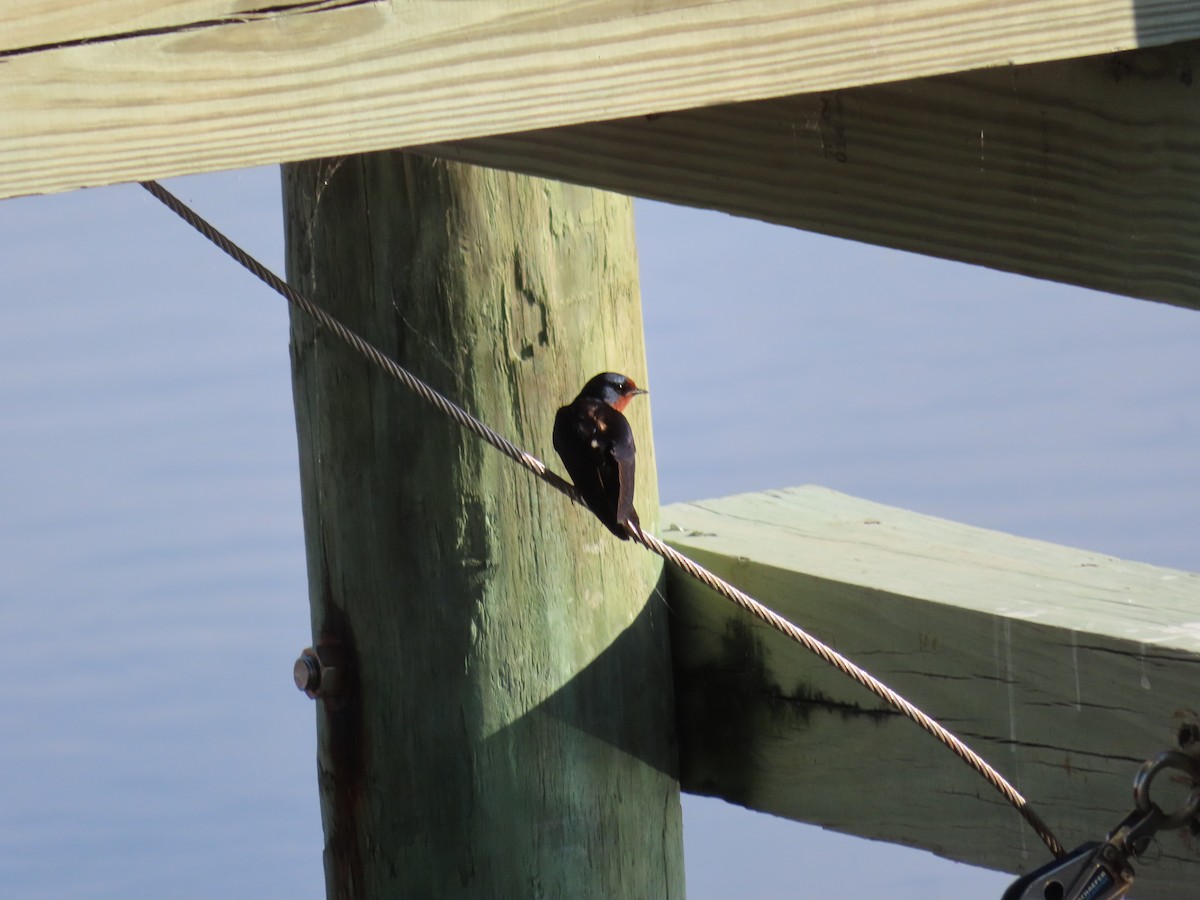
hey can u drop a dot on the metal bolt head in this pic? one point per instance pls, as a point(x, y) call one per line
point(320, 673)
point(307, 672)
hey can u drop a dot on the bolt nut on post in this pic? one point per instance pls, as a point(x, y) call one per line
point(321, 673)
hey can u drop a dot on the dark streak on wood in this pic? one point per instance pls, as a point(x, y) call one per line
point(347, 755)
point(304, 7)
point(728, 702)
point(714, 717)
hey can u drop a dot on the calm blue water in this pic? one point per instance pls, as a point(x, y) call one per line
point(152, 594)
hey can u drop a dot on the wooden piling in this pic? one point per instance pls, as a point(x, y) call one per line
point(508, 729)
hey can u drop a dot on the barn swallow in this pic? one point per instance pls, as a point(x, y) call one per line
point(595, 443)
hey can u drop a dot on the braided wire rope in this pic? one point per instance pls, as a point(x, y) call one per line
point(686, 565)
point(857, 673)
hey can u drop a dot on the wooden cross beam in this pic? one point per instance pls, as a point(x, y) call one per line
point(1065, 669)
point(1076, 171)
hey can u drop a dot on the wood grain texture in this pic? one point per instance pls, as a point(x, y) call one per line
point(216, 85)
point(509, 732)
point(1066, 669)
point(1082, 171)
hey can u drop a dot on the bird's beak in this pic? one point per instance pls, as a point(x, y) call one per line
point(639, 391)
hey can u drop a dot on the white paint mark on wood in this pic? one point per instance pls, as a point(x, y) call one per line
point(1011, 687)
point(1075, 670)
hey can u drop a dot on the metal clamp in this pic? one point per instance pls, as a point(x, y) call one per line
point(1168, 759)
point(1101, 871)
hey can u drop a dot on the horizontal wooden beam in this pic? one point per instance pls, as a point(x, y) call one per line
point(1083, 171)
point(1066, 669)
point(124, 90)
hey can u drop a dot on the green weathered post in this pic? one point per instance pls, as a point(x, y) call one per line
point(508, 729)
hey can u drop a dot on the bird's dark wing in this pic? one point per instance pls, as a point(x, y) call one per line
point(623, 454)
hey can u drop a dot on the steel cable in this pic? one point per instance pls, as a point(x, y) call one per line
point(538, 468)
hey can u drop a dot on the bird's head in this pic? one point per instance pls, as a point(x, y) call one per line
point(615, 390)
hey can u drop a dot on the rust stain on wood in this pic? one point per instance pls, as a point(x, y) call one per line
point(343, 781)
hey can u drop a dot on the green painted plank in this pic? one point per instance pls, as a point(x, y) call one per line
point(1064, 668)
